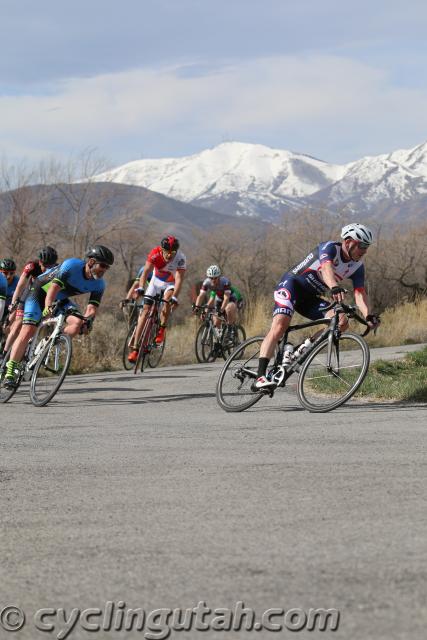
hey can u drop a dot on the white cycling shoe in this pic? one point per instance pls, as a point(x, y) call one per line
point(262, 383)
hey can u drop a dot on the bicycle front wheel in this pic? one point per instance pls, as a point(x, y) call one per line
point(331, 375)
point(144, 343)
point(233, 390)
point(126, 350)
point(156, 350)
point(204, 343)
point(50, 370)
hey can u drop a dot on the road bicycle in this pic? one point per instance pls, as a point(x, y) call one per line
point(331, 368)
point(45, 363)
point(214, 342)
point(148, 349)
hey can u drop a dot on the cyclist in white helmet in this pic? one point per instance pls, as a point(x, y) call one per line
point(221, 295)
point(301, 287)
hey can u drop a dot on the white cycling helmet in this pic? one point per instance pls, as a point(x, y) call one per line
point(213, 271)
point(358, 232)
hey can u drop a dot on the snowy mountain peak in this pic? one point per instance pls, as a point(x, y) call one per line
point(253, 179)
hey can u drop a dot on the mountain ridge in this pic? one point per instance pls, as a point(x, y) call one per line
point(263, 182)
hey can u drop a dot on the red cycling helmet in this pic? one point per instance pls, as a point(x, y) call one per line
point(170, 243)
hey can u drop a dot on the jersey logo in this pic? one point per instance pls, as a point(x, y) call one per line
point(282, 297)
point(303, 263)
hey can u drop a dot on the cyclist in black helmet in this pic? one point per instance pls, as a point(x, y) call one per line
point(8, 269)
point(72, 278)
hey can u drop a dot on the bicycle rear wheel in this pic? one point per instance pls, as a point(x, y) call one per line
point(50, 370)
point(126, 364)
point(233, 391)
point(323, 385)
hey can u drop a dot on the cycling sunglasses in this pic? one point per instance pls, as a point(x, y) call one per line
point(363, 245)
point(103, 265)
point(8, 273)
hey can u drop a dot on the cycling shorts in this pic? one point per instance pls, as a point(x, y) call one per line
point(291, 296)
point(219, 301)
point(33, 311)
point(156, 287)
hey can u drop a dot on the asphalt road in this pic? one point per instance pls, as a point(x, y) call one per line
point(140, 490)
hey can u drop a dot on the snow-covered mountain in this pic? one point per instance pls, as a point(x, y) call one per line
point(255, 180)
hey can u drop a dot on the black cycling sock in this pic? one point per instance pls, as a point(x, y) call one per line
point(262, 366)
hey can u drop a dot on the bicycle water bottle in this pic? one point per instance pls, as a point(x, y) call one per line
point(288, 354)
point(303, 347)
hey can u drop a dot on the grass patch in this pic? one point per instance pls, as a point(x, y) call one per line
point(398, 379)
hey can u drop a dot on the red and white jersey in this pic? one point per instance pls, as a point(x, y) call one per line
point(163, 270)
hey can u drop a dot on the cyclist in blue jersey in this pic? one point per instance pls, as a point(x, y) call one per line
point(8, 269)
point(71, 278)
point(301, 287)
point(3, 294)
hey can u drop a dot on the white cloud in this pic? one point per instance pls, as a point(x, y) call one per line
point(278, 95)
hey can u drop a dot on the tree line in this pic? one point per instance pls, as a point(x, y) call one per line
point(59, 204)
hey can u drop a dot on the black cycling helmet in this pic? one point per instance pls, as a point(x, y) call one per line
point(48, 256)
point(7, 264)
point(100, 254)
point(170, 243)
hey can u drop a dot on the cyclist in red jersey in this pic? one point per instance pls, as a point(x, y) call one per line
point(167, 264)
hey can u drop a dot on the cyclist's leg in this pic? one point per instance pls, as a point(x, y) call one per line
point(152, 290)
point(34, 304)
point(231, 313)
point(215, 319)
point(14, 329)
point(166, 308)
point(284, 300)
point(73, 324)
point(343, 319)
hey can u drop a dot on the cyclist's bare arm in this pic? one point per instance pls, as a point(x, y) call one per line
point(22, 283)
point(329, 278)
point(148, 268)
point(131, 293)
point(226, 300)
point(91, 311)
point(362, 301)
point(200, 298)
point(179, 277)
point(52, 292)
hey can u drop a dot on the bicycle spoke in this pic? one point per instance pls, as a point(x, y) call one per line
point(326, 384)
point(50, 370)
point(234, 391)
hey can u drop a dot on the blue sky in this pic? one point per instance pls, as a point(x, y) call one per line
point(157, 78)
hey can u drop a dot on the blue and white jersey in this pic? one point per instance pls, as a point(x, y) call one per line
point(3, 293)
point(308, 272)
point(3, 286)
point(11, 289)
point(70, 276)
